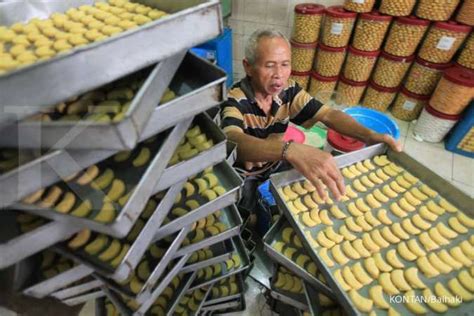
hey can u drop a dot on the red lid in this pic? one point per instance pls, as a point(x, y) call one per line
point(383, 89)
point(331, 49)
point(338, 11)
point(408, 59)
point(412, 20)
point(453, 26)
point(298, 73)
point(376, 16)
point(309, 8)
point(353, 83)
point(460, 76)
point(356, 51)
point(342, 142)
point(301, 45)
point(440, 115)
point(412, 95)
point(457, 64)
point(317, 76)
point(425, 63)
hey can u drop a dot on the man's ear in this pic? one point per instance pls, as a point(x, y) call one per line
point(247, 67)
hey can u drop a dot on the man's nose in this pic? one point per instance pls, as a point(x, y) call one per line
point(278, 71)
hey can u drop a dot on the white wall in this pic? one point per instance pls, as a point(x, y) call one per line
point(250, 15)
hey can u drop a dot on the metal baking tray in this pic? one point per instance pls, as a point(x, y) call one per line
point(425, 175)
point(82, 134)
point(142, 180)
point(297, 300)
point(28, 89)
point(219, 300)
point(229, 179)
point(231, 153)
point(274, 235)
point(221, 252)
point(77, 290)
point(201, 302)
point(81, 299)
point(137, 248)
point(178, 295)
point(235, 305)
point(315, 308)
point(244, 264)
point(198, 83)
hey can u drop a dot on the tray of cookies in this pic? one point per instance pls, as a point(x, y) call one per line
point(75, 46)
point(108, 197)
point(191, 303)
point(83, 298)
point(228, 289)
point(288, 288)
point(320, 305)
point(209, 256)
point(401, 233)
point(83, 286)
point(231, 306)
point(283, 245)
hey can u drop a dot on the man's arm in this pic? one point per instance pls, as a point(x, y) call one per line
point(254, 149)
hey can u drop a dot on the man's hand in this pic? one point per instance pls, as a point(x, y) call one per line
point(318, 167)
point(376, 138)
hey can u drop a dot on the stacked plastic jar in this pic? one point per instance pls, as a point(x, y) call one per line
point(329, 60)
point(370, 31)
point(397, 7)
point(302, 56)
point(322, 88)
point(359, 6)
point(349, 92)
point(379, 98)
point(424, 76)
point(466, 58)
point(443, 41)
point(307, 22)
point(408, 105)
point(390, 70)
point(433, 126)
point(405, 35)
point(454, 91)
point(466, 13)
point(337, 27)
point(439, 10)
point(359, 64)
point(301, 78)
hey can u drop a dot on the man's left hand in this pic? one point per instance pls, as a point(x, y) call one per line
point(376, 138)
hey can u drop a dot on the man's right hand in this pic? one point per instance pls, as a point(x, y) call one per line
point(318, 167)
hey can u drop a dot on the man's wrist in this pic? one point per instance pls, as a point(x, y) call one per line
point(285, 149)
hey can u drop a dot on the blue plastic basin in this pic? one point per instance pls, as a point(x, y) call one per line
point(375, 120)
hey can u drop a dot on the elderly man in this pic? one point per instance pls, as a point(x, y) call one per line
point(259, 109)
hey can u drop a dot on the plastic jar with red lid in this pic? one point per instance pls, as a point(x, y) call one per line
point(405, 35)
point(328, 61)
point(390, 70)
point(424, 76)
point(359, 64)
point(397, 7)
point(302, 56)
point(454, 91)
point(359, 6)
point(370, 31)
point(379, 98)
point(466, 58)
point(322, 88)
point(408, 105)
point(349, 92)
point(433, 126)
point(301, 78)
point(338, 144)
point(307, 22)
point(439, 10)
point(466, 13)
point(337, 26)
point(442, 41)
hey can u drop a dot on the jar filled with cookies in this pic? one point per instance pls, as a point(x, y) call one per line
point(442, 41)
point(359, 6)
point(302, 56)
point(397, 7)
point(466, 13)
point(307, 22)
point(405, 35)
point(359, 64)
point(454, 91)
point(348, 92)
point(301, 78)
point(424, 76)
point(337, 26)
point(322, 88)
point(437, 10)
point(390, 70)
point(328, 61)
point(370, 31)
point(408, 105)
point(466, 58)
point(432, 126)
point(379, 98)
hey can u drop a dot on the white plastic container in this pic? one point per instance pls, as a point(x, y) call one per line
point(432, 126)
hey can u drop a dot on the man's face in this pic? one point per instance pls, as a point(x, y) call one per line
point(272, 67)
